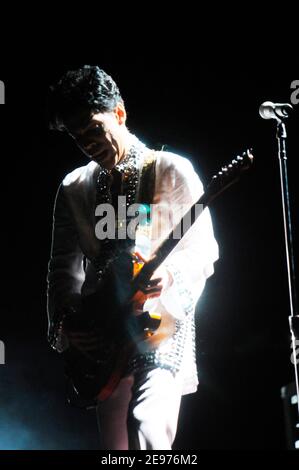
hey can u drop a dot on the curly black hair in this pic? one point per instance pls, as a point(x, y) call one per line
point(79, 94)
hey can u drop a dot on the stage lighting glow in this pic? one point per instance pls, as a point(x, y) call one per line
point(294, 399)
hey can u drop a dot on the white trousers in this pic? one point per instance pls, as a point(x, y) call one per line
point(141, 413)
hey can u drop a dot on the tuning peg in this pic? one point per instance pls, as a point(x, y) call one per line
point(249, 154)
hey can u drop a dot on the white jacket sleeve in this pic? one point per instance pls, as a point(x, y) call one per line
point(191, 262)
point(65, 268)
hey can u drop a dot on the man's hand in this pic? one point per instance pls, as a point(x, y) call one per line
point(165, 276)
point(160, 280)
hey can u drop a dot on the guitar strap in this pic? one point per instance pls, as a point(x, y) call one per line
point(146, 190)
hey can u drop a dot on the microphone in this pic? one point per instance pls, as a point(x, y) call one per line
point(278, 111)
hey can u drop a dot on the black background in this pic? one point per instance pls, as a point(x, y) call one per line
point(242, 320)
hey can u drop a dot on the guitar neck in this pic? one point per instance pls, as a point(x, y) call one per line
point(219, 183)
point(172, 240)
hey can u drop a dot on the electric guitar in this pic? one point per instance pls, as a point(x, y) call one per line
point(94, 374)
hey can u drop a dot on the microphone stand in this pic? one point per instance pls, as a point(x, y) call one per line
point(294, 317)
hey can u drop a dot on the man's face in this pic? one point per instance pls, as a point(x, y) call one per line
point(103, 139)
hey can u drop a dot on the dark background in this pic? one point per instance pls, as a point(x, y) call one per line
point(242, 320)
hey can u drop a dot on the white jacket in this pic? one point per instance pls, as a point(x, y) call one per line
point(74, 244)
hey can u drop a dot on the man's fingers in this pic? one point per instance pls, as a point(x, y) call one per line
point(154, 295)
point(153, 290)
point(151, 286)
point(154, 282)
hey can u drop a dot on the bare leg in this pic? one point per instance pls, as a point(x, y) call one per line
point(112, 417)
point(141, 413)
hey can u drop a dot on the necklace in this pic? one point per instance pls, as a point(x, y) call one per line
point(129, 168)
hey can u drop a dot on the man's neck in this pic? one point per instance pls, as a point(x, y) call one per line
point(128, 138)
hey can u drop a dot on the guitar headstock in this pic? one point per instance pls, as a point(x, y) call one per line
point(229, 174)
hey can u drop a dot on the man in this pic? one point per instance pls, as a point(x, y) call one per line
point(142, 410)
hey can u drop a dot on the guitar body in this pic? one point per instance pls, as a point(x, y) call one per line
point(95, 373)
